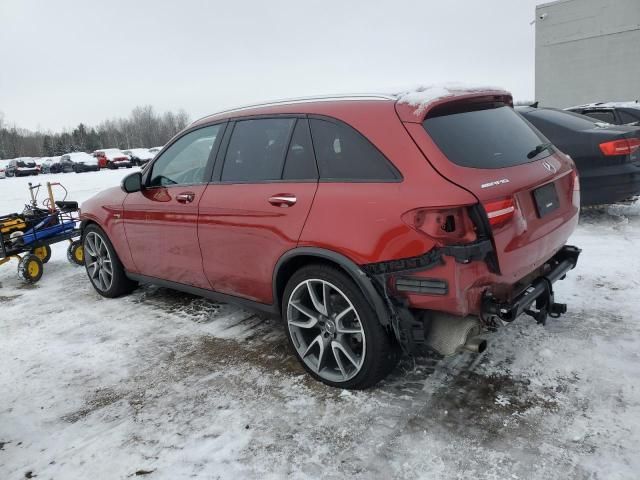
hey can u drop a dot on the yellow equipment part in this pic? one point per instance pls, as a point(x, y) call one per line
point(33, 268)
point(79, 254)
point(8, 226)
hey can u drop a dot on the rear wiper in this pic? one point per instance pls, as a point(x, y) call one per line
point(539, 149)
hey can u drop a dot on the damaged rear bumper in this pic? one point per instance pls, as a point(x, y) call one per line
point(537, 300)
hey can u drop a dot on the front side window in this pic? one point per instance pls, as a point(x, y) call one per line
point(185, 161)
point(256, 150)
point(344, 154)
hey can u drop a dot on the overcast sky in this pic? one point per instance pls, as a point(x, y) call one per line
point(64, 62)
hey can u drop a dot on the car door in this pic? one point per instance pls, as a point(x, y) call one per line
point(161, 219)
point(254, 211)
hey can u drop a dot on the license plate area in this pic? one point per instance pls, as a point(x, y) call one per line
point(546, 199)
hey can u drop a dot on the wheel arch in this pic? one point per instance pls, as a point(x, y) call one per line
point(294, 259)
point(86, 222)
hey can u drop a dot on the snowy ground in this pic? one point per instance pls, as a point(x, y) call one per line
point(171, 386)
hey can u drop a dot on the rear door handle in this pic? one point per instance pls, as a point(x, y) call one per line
point(283, 200)
point(185, 197)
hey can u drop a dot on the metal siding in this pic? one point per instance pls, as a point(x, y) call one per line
point(587, 51)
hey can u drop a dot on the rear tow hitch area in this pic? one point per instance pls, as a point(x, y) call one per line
point(537, 300)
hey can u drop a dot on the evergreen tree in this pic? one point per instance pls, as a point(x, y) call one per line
point(60, 148)
point(47, 146)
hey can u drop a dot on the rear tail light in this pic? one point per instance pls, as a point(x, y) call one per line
point(625, 146)
point(575, 198)
point(445, 225)
point(500, 211)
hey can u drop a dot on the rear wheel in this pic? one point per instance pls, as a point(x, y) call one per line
point(334, 331)
point(104, 268)
point(43, 253)
point(30, 268)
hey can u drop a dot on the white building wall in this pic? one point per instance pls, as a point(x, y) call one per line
point(587, 51)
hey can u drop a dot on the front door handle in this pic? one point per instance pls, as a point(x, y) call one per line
point(185, 197)
point(283, 200)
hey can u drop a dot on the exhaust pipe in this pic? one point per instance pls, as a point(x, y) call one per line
point(448, 334)
point(475, 345)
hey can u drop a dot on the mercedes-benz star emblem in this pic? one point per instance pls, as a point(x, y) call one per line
point(549, 167)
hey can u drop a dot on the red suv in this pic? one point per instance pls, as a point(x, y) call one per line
point(371, 224)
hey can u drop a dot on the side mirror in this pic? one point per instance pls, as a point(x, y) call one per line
point(132, 183)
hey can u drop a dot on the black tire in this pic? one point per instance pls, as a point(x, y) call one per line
point(30, 268)
point(382, 352)
point(120, 284)
point(43, 253)
point(75, 253)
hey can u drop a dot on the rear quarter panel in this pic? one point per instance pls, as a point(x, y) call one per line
point(363, 220)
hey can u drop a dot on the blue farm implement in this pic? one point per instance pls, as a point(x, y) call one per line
point(28, 236)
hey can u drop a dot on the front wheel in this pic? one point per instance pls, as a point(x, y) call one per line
point(103, 266)
point(334, 331)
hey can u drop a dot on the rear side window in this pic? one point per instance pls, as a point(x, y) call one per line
point(256, 150)
point(606, 116)
point(344, 154)
point(627, 117)
point(483, 137)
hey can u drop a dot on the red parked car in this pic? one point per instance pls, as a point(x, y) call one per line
point(112, 158)
point(371, 224)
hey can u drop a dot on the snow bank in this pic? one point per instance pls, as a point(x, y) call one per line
point(422, 96)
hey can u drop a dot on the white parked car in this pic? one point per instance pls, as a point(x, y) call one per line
point(47, 163)
point(155, 150)
point(21, 167)
point(139, 156)
point(3, 166)
point(81, 162)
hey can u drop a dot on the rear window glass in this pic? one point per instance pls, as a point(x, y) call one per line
point(484, 137)
point(570, 120)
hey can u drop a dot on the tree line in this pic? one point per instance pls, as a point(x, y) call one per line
point(142, 128)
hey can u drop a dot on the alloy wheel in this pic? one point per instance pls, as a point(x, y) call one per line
point(326, 330)
point(98, 261)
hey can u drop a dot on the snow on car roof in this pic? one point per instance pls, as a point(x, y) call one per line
point(631, 104)
point(421, 97)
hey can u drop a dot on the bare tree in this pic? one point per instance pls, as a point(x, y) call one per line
point(142, 128)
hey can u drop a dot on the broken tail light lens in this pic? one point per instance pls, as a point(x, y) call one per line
point(446, 226)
